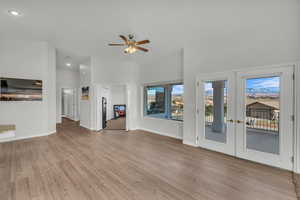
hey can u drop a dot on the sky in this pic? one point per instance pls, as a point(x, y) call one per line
point(263, 85)
point(255, 85)
point(208, 87)
point(152, 91)
point(176, 89)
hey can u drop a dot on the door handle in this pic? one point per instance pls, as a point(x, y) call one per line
point(231, 121)
point(239, 121)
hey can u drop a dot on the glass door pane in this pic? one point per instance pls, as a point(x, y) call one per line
point(263, 114)
point(177, 102)
point(216, 112)
point(215, 99)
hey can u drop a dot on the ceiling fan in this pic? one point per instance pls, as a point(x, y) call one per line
point(132, 45)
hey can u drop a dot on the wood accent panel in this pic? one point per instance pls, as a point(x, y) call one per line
point(77, 164)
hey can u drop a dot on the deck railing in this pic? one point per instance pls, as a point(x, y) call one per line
point(263, 119)
point(260, 120)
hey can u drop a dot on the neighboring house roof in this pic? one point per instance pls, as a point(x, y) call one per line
point(272, 105)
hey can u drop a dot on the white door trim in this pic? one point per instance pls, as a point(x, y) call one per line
point(283, 160)
point(297, 119)
point(296, 126)
point(228, 147)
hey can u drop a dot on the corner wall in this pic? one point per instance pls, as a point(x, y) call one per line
point(170, 68)
point(85, 106)
point(29, 60)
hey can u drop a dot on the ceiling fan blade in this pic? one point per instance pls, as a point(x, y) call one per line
point(141, 48)
point(142, 42)
point(116, 44)
point(124, 38)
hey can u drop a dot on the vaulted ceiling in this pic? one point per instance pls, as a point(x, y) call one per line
point(85, 27)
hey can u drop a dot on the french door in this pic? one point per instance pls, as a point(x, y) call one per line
point(248, 114)
point(216, 111)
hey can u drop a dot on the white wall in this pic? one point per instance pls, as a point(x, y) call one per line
point(85, 105)
point(169, 68)
point(51, 88)
point(29, 60)
point(112, 72)
point(118, 94)
point(66, 78)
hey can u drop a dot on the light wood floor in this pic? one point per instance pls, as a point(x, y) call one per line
point(116, 124)
point(77, 164)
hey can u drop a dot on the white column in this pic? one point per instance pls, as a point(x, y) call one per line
point(218, 108)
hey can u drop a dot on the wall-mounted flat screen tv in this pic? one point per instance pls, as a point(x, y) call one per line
point(12, 89)
point(119, 111)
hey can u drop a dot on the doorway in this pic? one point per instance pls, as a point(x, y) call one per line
point(248, 114)
point(104, 112)
point(118, 122)
point(69, 103)
point(117, 109)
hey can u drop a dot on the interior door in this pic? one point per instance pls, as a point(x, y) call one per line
point(71, 103)
point(104, 112)
point(264, 126)
point(215, 112)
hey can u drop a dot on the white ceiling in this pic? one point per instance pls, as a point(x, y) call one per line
point(63, 57)
point(85, 27)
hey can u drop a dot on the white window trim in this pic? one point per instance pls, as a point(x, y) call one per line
point(167, 85)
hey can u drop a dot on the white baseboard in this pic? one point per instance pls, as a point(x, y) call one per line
point(85, 126)
point(189, 143)
point(160, 133)
point(26, 137)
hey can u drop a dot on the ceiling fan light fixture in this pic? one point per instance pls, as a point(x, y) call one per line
point(132, 45)
point(130, 50)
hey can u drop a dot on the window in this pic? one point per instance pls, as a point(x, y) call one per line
point(164, 101)
point(177, 102)
point(156, 101)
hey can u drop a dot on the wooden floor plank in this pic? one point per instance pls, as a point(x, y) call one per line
point(79, 164)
